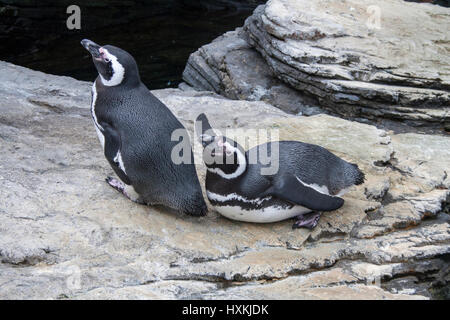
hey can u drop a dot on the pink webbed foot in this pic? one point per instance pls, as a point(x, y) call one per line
point(307, 220)
point(122, 188)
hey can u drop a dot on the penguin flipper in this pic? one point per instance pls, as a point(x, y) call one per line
point(112, 148)
point(292, 189)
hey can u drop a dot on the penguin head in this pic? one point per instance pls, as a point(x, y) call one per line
point(114, 65)
point(221, 155)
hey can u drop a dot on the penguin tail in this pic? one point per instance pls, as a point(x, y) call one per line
point(360, 176)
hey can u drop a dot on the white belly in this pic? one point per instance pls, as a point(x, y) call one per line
point(266, 215)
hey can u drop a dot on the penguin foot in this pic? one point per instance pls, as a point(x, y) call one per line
point(122, 188)
point(307, 220)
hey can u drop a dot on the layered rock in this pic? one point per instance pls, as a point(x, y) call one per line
point(64, 233)
point(231, 67)
point(355, 59)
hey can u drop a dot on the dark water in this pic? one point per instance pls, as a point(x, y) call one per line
point(159, 34)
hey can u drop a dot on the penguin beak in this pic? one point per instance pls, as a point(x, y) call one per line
point(204, 131)
point(206, 139)
point(92, 47)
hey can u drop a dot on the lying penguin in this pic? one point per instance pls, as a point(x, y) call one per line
point(310, 179)
point(135, 129)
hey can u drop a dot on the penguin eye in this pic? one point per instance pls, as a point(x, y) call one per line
point(106, 59)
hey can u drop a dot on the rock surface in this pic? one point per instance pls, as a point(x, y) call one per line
point(64, 233)
point(351, 58)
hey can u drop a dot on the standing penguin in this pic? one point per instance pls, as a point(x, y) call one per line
point(310, 179)
point(135, 129)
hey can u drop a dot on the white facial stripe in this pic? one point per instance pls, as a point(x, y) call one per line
point(98, 127)
point(241, 161)
point(118, 70)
